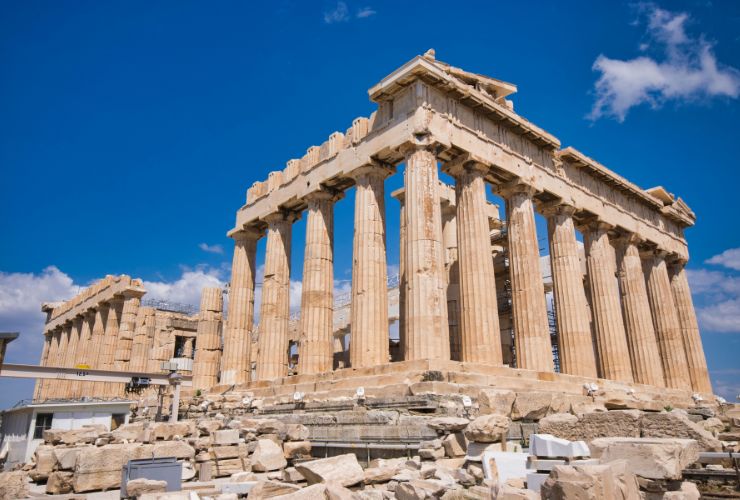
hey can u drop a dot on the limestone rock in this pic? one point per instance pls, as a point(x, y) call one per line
point(44, 458)
point(270, 426)
point(271, 489)
point(677, 425)
point(496, 401)
point(548, 446)
point(455, 445)
point(13, 485)
point(381, 474)
point(343, 469)
point(296, 432)
point(335, 491)
point(531, 405)
point(226, 436)
point(590, 482)
point(59, 483)
point(293, 449)
point(448, 424)
point(209, 426)
point(138, 487)
point(127, 432)
point(713, 425)
point(313, 492)
point(86, 434)
point(171, 430)
point(511, 493)
point(65, 458)
point(267, 456)
point(688, 491)
point(420, 489)
point(487, 428)
point(651, 458)
point(616, 423)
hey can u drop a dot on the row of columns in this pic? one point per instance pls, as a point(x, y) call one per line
point(640, 313)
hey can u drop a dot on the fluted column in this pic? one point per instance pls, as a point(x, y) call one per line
point(665, 320)
point(698, 372)
point(208, 339)
point(39, 386)
point(427, 332)
point(50, 386)
point(611, 339)
point(368, 344)
point(146, 325)
point(479, 324)
point(272, 359)
point(529, 311)
point(317, 299)
point(400, 195)
point(84, 346)
point(452, 275)
point(124, 343)
point(71, 353)
point(110, 338)
point(638, 322)
point(571, 308)
point(235, 362)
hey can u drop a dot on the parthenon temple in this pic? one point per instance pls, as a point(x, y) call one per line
point(470, 298)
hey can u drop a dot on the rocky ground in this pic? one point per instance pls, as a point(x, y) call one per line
point(422, 446)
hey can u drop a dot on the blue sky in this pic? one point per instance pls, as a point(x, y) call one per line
point(130, 131)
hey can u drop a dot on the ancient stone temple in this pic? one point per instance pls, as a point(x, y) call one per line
point(470, 281)
point(108, 327)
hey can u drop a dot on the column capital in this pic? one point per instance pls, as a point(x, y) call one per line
point(281, 216)
point(654, 253)
point(324, 194)
point(372, 169)
point(557, 207)
point(518, 185)
point(676, 261)
point(466, 162)
point(595, 224)
point(247, 233)
point(628, 238)
point(400, 195)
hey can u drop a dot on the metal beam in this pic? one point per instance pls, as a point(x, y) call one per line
point(85, 375)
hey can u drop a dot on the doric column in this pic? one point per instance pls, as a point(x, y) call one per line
point(611, 339)
point(479, 324)
point(70, 356)
point(529, 311)
point(272, 359)
point(39, 386)
point(689, 328)
point(368, 344)
point(110, 338)
point(208, 339)
point(61, 386)
point(571, 308)
point(50, 386)
point(400, 195)
point(146, 325)
point(452, 275)
point(124, 344)
point(84, 346)
point(427, 333)
point(315, 353)
point(97, 339)
point(235, 362)
point(665, 320)
point(638, 322)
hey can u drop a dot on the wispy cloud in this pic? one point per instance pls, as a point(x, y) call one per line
point(218, 249)
point(729, 258)
point(341, 13)
point(676, 67)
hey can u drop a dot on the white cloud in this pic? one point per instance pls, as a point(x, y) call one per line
point(686, 70)
point(729, 258)
point(211, 248)
point(717, 299)
point(365, 12)
point(722, 317)
point(339, 14)
point(187, 288)
point(726, 383)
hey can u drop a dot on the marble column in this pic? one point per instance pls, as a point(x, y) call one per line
point(61, 386)
point(97, 338)
point(368, 344)
point(665, 320)
point(272, 359)
point(235, 362)
point(84, 346)
point(70, 356)
point(110, 338)
point(427, 332)
point(208, 339)
point(611, 338)
point(39, 386)
point(315, 354)
point(50, 386)
point(452, 275)
point(529, 311)
point(146, 325)
point(479, 324)
point(400, 195)
point(638, 322)
point(124, 344)
point(571, 307)
point(698, 372)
